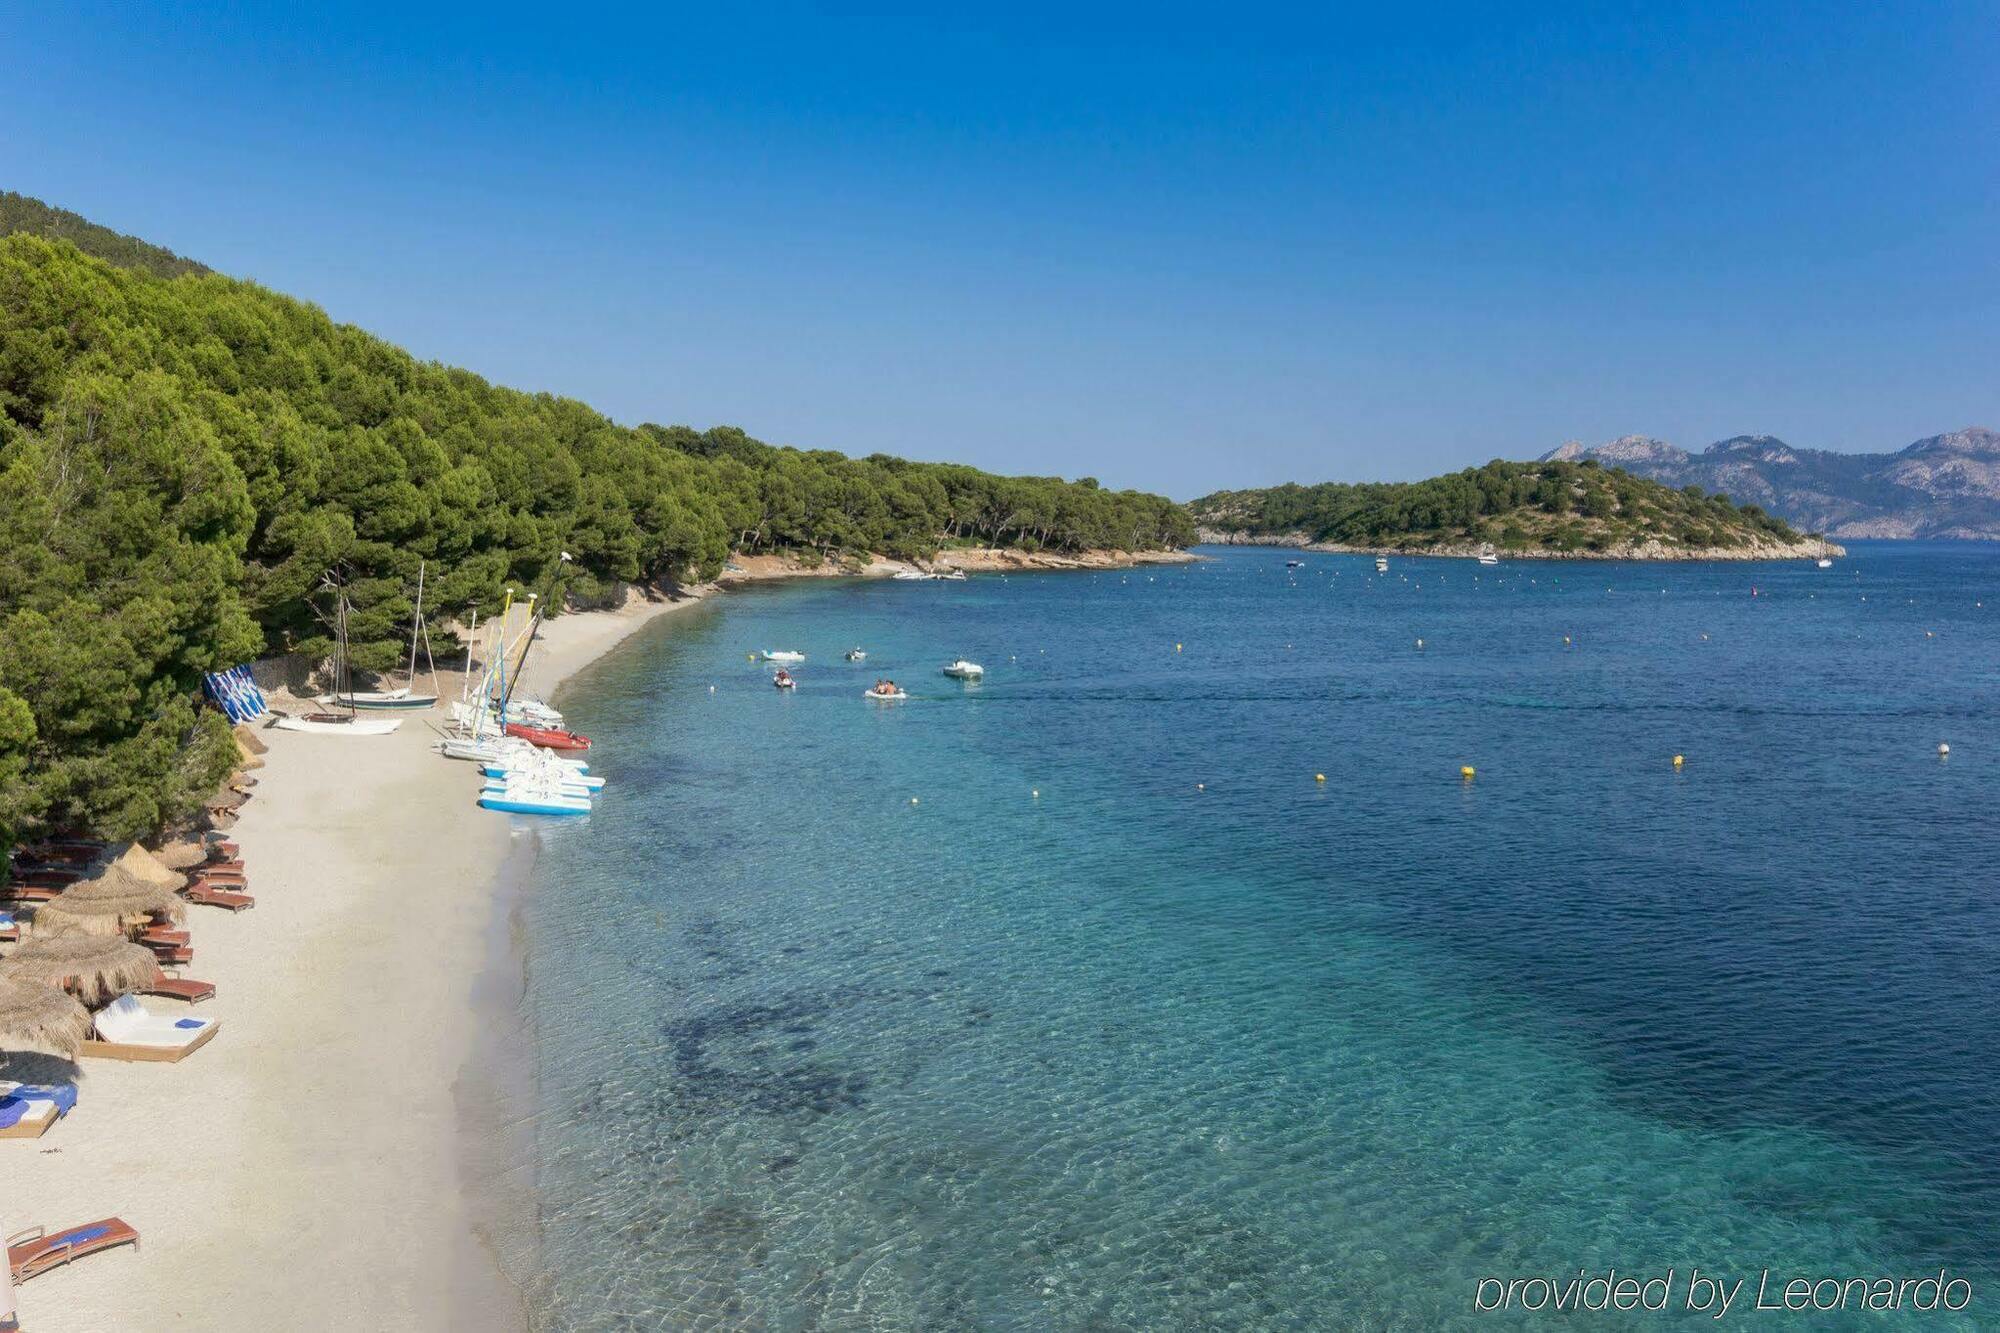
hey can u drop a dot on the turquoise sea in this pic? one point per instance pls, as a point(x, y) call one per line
point(840, 1025)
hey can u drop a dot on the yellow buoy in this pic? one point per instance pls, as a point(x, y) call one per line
point(1679, 760)
point(1465, 771)
point(1319, 777)
point(1177, 647)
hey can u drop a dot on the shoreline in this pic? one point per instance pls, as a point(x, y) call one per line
point(1648, 551)
point(349, 1146)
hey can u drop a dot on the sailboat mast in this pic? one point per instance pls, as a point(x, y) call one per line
point(416, 619)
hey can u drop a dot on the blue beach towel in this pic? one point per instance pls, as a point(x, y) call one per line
point(62, 1094)
point(192, 1023)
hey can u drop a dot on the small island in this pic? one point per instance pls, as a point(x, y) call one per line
point(1548, 510)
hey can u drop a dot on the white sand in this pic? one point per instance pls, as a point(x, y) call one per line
point(302, 1171)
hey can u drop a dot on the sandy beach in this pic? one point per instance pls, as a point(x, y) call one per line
point(339, 1152)
point(303, 1169)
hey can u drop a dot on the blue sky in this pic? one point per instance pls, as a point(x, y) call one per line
point(1173, 248)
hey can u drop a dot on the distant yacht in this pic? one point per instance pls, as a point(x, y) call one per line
point(1487, 556)
point(1381, 564)
point(964, 670)
point(1825, 561)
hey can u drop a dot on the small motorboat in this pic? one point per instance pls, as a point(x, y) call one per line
point(1381, 564)
point(912, 575)
point(964, 670)
point(783, 655)
point(1487, 557)
point(783, 680)
point(548, 738)
point(950, 576)
point(336, 724)
point(1293, 564)
point(856, 655)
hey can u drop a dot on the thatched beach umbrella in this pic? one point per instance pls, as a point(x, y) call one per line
point(183, 855)
point(225, 799)
point(102, 904)
point(94, 968)
point(147, 868)
point(41, 1018)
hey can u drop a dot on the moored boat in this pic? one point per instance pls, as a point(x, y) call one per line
point(964, 670)
point(548, 738)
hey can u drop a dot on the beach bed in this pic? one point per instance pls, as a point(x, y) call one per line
point(27, 1110)
point(126, 1031)
point(34, 1252)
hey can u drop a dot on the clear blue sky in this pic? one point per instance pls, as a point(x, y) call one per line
point(1173, 248)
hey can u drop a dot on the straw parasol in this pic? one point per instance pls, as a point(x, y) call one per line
point(41, 1018)
point(250, 740)
point(185, 854)
point(225, 799)
point(101, 904)
point(95, 968)
point(142, 865)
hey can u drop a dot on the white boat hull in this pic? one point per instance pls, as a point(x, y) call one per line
point(346, 726)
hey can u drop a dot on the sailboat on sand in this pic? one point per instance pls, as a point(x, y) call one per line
point(402, 698)
point(338, 724)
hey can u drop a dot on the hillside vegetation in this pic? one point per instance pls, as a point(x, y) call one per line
point(18, 212)
point(1559, 508)
point(187, 463)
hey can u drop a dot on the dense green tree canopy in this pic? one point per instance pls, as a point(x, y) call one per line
point(186, 462)
point(1555, 506)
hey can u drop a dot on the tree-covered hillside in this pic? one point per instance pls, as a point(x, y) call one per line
point(1552, 507)
point(18, 212)
point(186, 463)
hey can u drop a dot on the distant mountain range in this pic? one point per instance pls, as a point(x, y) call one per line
point(1945, 486)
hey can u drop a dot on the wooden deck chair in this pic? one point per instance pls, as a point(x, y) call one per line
point(33, 1253)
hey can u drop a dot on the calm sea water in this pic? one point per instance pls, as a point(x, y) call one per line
point(842, 1026)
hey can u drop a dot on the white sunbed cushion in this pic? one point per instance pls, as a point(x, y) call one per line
point(127, 1022)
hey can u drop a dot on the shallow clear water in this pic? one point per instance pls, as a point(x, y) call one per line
point(1192, 1040)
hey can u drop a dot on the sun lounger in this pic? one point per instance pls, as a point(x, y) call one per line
point(213, 897)
point(28, 893)
point(33, 1253)
point(165, 935)
point(218, 866)
point(227, 879)
point(172, 953)
point(182, 988)
point(126, 1031)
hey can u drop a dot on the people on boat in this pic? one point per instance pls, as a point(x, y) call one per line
point(782, 679)
point(886, 687)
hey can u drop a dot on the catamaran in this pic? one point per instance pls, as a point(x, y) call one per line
point(400, 698)
point(337, 724)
